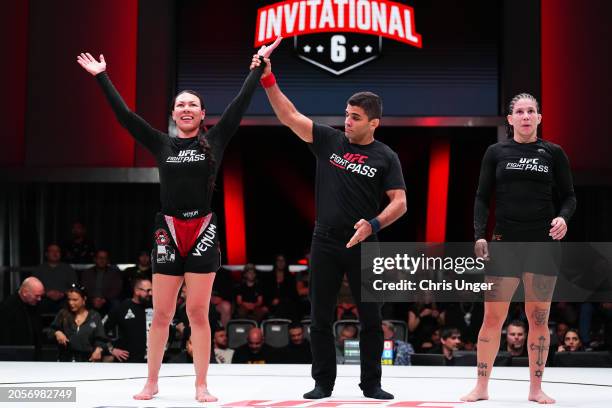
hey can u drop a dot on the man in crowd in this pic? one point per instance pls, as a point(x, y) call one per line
point(56, 277)
point(19, 316)
point(130, 322)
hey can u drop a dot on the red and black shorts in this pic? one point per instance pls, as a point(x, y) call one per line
point(185, 245)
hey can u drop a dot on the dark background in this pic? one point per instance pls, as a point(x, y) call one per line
point(57, 125)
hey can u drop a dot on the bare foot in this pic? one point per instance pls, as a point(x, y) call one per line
point(202, 394)
point(540, 397)
point(476, 394)
point(149, 390)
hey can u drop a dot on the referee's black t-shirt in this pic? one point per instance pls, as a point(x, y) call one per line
point(351, 179)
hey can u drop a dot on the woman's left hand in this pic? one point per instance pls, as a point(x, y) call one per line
point(559, 228)
point(96, 355)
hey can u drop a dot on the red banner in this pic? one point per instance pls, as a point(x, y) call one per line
point(300, 17)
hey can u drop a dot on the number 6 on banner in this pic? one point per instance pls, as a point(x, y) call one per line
point(337, 49)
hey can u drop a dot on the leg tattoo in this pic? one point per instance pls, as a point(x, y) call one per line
point(540, 316)
point(482, 369)
point(540, 348)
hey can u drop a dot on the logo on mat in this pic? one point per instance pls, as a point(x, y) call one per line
point(337, 35)
point(354, 163)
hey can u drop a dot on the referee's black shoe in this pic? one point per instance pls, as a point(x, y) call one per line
point(378, 393)
point(318, 392)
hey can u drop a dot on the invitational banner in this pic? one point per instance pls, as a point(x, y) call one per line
point(300, 17)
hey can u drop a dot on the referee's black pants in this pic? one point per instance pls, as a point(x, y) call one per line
point(330, 260)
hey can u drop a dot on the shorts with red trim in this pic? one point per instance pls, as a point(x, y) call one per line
point(185, 245)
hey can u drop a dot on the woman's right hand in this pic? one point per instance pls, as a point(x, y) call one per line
point(481, 249)
point(61, 338)
point(90, 64)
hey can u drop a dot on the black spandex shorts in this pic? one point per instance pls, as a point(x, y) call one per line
point(201, 251)
point(532, 251)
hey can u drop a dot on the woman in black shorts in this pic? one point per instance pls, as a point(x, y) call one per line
point(522, 171)
point(186, 233)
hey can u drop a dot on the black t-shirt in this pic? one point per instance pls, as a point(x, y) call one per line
point(351, 179)
point(184, 169)
point(266, 355)
point(133, 322)
point(523, 176)
point(249, 293)
point(296, 354)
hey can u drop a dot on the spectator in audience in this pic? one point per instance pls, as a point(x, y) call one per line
point(348, 332)
point(57, 277)
point(19, 317)
point(280, 293)
point(401, 349)
point(346, 307)
point(130, 322)
point(432, 341)
point(566, 312)
point(450, 341)
point(103, 282)
point(222, 353)
point(516, 336)
point(571, 342)
point(181, 319)
point(423, 319)
point(79, 332)
point(222, 295)
point(560, 330)
point(255, 351)
point(467, 317)
point(298, 349)
point(142, 270)
point(302, 280)
point(79, 250)
point(186, 354)
point(249, 297)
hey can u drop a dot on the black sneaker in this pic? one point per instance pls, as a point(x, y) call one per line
point(318, 392)
point(378, 393)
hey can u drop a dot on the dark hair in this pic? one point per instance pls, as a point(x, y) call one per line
point(513, 101)
point(518, 323)
point(64, 316)
point(369, 102)
point(295, 325)
point(575, 330)
point(448, 331)
point(139, 279)
point(80, 289)
point(286, 268)
point(219, 329)
point(202, 140)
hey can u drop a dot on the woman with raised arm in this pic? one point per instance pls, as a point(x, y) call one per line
point(185, 245)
